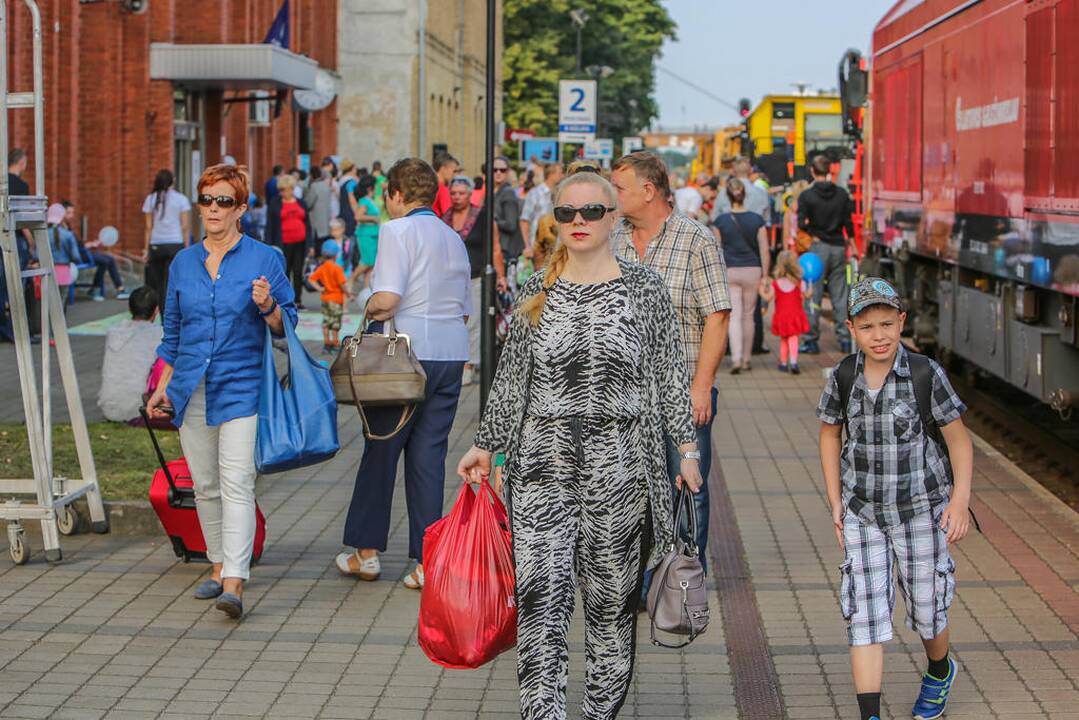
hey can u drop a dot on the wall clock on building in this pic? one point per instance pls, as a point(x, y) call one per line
point(318, 97)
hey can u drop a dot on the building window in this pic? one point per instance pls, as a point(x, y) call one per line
point(307, 133)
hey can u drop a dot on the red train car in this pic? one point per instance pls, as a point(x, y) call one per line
point(973, 165)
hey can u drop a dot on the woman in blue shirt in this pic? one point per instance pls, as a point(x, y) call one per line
point(222, 293)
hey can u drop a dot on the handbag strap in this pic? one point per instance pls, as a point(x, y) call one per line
point(406, 415)
point(742, 234)
point(685, 502)
point(389, 327)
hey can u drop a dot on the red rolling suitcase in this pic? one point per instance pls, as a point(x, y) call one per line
point(172, 495)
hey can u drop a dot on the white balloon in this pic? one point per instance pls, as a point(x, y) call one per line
point(108, 236)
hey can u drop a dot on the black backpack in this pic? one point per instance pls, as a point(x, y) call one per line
point(921, 376)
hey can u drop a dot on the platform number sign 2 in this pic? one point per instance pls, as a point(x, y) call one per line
point(576, 110)
point(577, 104)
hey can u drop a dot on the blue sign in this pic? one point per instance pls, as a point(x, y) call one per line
point(543, 149)
point(577, 128)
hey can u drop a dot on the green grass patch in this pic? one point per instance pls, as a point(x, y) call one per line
point(123, 455)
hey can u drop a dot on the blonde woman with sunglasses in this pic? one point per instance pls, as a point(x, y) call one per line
point(591, 379)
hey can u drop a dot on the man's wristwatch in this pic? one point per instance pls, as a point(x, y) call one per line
point(692, 455)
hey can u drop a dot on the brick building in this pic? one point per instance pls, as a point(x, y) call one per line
point(109, 127)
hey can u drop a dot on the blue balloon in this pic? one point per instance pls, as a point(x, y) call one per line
point(812, 267)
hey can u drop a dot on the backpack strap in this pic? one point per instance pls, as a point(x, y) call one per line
point(921, 375)
point(844, 378)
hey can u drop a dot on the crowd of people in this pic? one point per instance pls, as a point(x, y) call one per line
point(755, 222)
point(628, 285)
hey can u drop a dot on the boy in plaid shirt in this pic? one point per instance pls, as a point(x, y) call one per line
point(898, 498)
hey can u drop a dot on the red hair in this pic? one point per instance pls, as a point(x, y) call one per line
point(234, 175)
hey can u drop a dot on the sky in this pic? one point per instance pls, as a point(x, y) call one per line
point(752, 48)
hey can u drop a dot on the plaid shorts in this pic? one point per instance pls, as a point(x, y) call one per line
point(916, 551)
point(331, 315)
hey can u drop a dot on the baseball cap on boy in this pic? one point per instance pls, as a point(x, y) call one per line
point(330, 248)
point(872, 291)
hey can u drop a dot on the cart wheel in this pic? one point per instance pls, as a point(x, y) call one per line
point(67, 520)
point(20, 549)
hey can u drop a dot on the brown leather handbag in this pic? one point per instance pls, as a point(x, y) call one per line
point(678, 597)
point(378, 370)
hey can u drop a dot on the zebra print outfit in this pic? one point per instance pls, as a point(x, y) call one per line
point(581, 475)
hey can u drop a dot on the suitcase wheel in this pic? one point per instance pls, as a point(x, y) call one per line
point(179, 549)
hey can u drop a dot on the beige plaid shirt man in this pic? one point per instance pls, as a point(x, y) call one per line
point(688, 258)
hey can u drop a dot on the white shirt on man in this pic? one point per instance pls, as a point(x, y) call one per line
point(757, 200)
point(166, 227)
point(421, 259)
point(689, 200)
point(538, 202)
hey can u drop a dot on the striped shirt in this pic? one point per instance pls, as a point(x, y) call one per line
point(686, 255)
point(891, 469)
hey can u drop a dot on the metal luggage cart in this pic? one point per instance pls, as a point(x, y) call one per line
point(54, 494)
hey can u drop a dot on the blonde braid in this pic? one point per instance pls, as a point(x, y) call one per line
point(532, 309)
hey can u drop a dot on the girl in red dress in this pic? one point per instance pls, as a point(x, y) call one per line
point(789, 318)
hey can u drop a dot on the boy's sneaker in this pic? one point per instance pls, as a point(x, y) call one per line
point(123, 295)
point(809, 348)
point(97, 296)
point(781, 367)
point(794, 369)
point(934, 695)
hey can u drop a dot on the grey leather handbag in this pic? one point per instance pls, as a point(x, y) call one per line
point(678, 597)
point(379, 369)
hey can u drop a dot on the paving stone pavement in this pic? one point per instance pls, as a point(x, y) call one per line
point(112, 632)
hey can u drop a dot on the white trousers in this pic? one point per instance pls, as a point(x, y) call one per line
point(475, 321)
point(222, 462)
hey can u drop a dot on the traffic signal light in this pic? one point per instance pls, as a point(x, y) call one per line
point(743, 107)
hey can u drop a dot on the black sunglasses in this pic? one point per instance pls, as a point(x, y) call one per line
point(223, 201)
point(498, 169)
point(566, 213)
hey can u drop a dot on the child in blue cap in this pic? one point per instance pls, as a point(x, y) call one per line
point(329, 281)
point(899, 487)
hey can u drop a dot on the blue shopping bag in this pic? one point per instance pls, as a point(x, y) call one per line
point(297, 423)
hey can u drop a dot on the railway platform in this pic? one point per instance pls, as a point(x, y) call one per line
point(112, 632)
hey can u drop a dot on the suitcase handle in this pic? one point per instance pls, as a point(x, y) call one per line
point(157, 449)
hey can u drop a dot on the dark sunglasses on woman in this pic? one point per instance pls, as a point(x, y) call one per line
point(565, 213)
point(224, 202)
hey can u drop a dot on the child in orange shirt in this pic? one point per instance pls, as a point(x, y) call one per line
point(329, 281)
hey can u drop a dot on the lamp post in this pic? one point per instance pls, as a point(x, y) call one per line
point(487, 317)
point(599, 73)
point(579, 18)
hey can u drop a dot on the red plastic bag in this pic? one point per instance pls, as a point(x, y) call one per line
point(468, 611)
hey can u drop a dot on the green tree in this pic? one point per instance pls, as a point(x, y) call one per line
point(541, 49)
